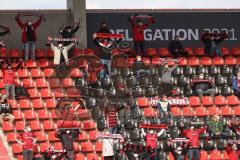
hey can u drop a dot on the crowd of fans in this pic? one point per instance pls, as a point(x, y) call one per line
point(177, 136)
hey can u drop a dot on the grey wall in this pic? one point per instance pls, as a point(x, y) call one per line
point(54, 19)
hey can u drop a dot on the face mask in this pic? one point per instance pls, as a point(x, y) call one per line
point(179, 152)
point(151, 132)
point(60, 45)
point(67, 131)
point(192, 128)
point(29, 129)
point(29, 23)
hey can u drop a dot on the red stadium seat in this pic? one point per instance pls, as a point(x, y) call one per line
point(43, 114)
point(193, 61)
point(176, 111)
point(76, 73)
point(149, 112)
point(215, 155)
point(18, 115)
point(49, 72)
point(44, 146)
point(50, 53)
point(151, 51)
point(7, 126)
point(189, 51)
point(52, 136)
point(13, 103)
point(76, 147)
point(92, 156)
point(35, 72)
point(233, 100)
point(84, 113)
point(41, 136)
point(98, 146)
point(54, 82)
point(88, 125)
point(40, 53)
point(86, 147)
point(30, 114)
point(194, 101)
point(213, 110)
point(49, 125)
point(225, 155)
point(83, 136)
point(38, 103)
point(236, 51)
point(227, 111)
point(23, 73)
point(53, 114)
point(20, 125)
point(58, 93)
point(17, 148)
point(15, 53)
point(203, 155)
point(89, 51)
point(41, 83)
point(67, 82)
point(143, 102)
point(11, 137)
point(33, 93)
point(230, 60)
point(146, 61)
point(57, 146)
point(164, 52)
point(1, 83)
point(225, 51)
point(45, 63)
point(31, 64)
point(93, 135)
point(156, 61)
point(200, 111)
point(206, 61)
point(73, 92)
point(220, 101)
point(77, 51)
point(24, 103)
point(237, 111)
point(199, 51)
point(35, 125)
point(46, 93)
point(79, 156)
point(207, 101)
point(51, 103)
point(3, 52)
point(28, 83)
point(187, 111)
point(218, 61)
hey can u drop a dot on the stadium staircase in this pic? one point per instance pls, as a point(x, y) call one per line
point(44, 88)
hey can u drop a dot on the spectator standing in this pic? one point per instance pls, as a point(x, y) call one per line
point(176, 48)
point(164, 107)
point(5, 111)
point(216, 127)
point(8, 79)
point(29, 35)
point(236, 85)
point(138, 28)
point(27, 139)
point(232, 150)
point(193, 135)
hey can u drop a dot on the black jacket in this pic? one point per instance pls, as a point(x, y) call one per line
point(175, 45)
point(68, 34)
point(67, 139)
point(208, 43)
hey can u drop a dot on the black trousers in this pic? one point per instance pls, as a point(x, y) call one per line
point(109, 158)
point(179, 53)
point(141, 45)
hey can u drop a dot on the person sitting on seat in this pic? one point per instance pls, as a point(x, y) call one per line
point(216, 127)
point(139, 67)
point(176, 48)
point(202, 86)
point(5, 110)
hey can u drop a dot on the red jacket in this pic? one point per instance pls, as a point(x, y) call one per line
point(27, 138)
point(24, 28)
point(151, 140)
point(233, 155)
point(8, 76)
point(193, 136)
point(138, 31)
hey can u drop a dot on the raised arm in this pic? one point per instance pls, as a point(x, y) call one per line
point(19, 22)
point(132, 20)
point(160, 132)
point(143, 132)
point(75, 29)
point(38, 22)
point(150, 21)
point(18, 66)
point(70, 46)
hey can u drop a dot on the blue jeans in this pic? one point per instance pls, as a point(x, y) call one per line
point(193, 153)
point(108, 63)
point(113, 130)
point(29, 45)
point(216, 50)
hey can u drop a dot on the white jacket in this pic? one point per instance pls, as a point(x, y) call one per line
point(57, 53)
point(108, 147)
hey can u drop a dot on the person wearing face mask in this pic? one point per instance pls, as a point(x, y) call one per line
point(8, 77)
point(217, 127)
point(60, 52)
point(29, 35)
point(203, 86)
point(193, 135)
point(164, 107)
point(27, 139)
point(5, 111)
point(176, 48)
point(67, 137)
point(138, 28)
point(151, 141)
point(236, 85)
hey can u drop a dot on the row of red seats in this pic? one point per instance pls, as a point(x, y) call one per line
point(164, 52)
point(194, 101)
point(41, 53)
point(198, 111)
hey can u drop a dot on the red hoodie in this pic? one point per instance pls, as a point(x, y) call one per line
point(233, 155)
point(27, 138)
point(138, 31)
point(193, 136)
point(24, 28)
